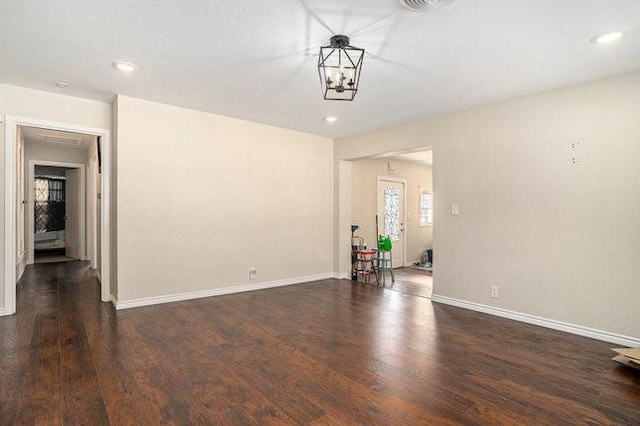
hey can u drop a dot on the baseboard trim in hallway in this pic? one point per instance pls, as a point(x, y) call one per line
point(578, 330)
point(146, 301)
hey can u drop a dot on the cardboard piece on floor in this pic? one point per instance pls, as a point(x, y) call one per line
point(631, 353)
point(626, 361)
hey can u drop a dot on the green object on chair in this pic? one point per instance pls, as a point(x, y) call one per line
point(384, 243)
point(384, 260)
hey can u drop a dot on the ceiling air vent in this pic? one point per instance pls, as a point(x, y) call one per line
point(425, 5)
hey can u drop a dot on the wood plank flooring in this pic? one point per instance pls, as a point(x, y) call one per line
point(411, 281)
point(329, 352)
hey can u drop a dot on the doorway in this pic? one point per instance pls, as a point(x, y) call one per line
point(391, 216)
point(59, 139)
point(396, 191)
point(57, 203)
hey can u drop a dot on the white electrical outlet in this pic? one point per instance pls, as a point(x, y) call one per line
point(576, 145)
point(454, 209)
point(252, 273)
point(574, 160)
point(495, 292)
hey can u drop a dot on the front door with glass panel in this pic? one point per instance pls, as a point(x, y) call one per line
point(391, 217)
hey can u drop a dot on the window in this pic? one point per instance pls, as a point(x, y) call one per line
point(49, 204)
point(426, 207)
point(392, 213)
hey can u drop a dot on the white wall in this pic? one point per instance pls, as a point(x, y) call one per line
point(35, 104)
point(201, 198)
point(364, 175)
point(561, 240)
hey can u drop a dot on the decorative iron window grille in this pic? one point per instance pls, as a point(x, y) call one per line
point(392, 213)
point(49, 207)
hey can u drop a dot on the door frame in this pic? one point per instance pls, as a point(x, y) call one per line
point(31, 205)
point(403, 181)
point(11, 124)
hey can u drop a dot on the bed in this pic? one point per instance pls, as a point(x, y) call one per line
point(49, 240)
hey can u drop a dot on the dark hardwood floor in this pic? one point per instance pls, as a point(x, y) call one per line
point(329, 352)
point(412, 281)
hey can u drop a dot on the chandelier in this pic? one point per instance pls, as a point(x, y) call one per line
point(339, 66)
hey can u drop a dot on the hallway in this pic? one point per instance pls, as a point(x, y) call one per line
point(47, 368)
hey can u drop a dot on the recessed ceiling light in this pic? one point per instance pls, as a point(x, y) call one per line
point(124, 66)
point(62, 84)
point(606, 38)
point(330, 119)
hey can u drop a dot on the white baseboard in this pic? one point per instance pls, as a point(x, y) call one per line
point(579, 330)
point(5, 312)
point(217, 291)
point(341, 275)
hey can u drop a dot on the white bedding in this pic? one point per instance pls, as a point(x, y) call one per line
point(48, 240)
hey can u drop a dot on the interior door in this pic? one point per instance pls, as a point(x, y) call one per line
point(391, 204)
point(72, 213)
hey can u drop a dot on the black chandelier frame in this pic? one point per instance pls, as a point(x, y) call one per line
point(339, 68)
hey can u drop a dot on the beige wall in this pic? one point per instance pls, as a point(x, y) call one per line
point(364, 181)
point(35, 104)
point(61, 155)
point(201, 198)
point(560, 240)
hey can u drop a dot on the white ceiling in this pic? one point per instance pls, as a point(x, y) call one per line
point(257, 60)
point(424, 158)
point(56, 138)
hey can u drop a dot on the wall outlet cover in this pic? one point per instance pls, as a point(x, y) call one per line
point(252, 273)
